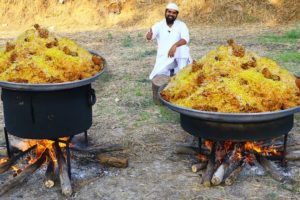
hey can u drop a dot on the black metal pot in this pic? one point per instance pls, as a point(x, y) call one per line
point(234, 126)
point(48, 114)
point(48, 111)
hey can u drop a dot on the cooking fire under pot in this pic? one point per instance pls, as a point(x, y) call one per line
point(49, 111)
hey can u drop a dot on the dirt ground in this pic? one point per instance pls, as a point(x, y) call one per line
point(124, 113)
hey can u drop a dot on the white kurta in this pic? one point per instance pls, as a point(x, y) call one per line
point(166, 37)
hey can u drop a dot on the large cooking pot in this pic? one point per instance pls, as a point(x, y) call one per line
point(49, 111)
point(234, 126)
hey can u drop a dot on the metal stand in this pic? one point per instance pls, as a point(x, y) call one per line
point(86, 138)
point(283, 160)
point(7, 143)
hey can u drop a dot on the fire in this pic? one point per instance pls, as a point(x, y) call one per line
point(253, 146)
point(41, 146)
point(202, 157)
point(208, 144)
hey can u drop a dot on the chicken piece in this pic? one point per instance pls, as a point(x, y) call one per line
point(196, 66)
point(275, 77)
point(266, 72)
point(13, 57)
point(200, 79)
point(43, 33)
point(297, 81)
point(96, 60)
point(237, 50)
point(9, 47)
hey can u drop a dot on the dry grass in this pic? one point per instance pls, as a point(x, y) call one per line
point(93, 14)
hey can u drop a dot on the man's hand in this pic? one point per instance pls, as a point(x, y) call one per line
point(172, 51)
point(149, 34)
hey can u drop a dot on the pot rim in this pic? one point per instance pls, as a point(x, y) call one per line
point(54, 86)
point(228, 117)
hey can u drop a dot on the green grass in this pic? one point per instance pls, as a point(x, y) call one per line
point(147, 53)
point(286, 56)
point(167, 115)
point(127, 41)
point(140, 35)
point(291, 36)
point(109, 36)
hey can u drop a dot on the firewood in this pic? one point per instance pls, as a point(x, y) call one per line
point(219, 174)
point(271, 169)
point(208, 174)
point(233, 164)
point(30, 169)
point(158, 81)
point(49, 175)
point(113, 161)
point(64, 178)
point(10, 162)
point(233, 176)
point(293, 148)
point(293, 155)
point(186, 149)
point(199, 166)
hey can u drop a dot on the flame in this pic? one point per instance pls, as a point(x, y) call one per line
point(227, 145)
point(202, 157)
point(208, 144)
point(3, 160)
point(253, 146)
point(41, 146)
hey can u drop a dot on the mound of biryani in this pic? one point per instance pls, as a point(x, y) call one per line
point(231, 79)
point(38, 56)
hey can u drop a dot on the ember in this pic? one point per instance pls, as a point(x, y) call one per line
point(223, 161)
point(55, 155)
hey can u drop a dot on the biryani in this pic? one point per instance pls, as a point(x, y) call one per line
point(38, 56)
point(231, 79)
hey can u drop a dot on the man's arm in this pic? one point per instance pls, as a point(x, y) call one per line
point(173, 48)
point(149, 34)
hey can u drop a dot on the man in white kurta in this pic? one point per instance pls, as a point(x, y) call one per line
point(172, 37)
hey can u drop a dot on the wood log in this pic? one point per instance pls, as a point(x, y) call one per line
point(97, 149)
point(219, 174)
point(208, 174)
point(186, 149)
point(64, 178)
point(271, 169)
point(10, 162)
point(158, 81)
point(50, 175)
point(199, 166)
point(293, 148)
point(113, 161)
point(233, 176)
point(30, 169)
point(293, 155)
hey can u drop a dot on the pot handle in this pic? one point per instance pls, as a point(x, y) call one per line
point(92, 97)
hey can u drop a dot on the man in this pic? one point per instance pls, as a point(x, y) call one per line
point(172, 37)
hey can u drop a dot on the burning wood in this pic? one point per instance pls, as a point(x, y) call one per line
point(219, 174)
point(208, 174)
point(293, 155)
point(49, 175)
point(226, 160)
point(51, 153)
point(233, 176)
point(25, 173)
point(10, 162)
point(199, 166)
point(64, 178)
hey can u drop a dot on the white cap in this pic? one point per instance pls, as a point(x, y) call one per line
point(172, 6)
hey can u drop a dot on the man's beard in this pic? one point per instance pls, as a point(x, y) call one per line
point(170, 19)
